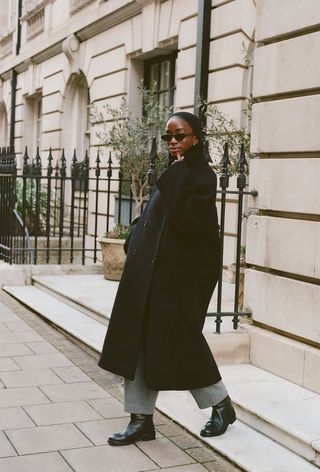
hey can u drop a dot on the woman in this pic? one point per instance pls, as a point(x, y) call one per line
point(154, 339)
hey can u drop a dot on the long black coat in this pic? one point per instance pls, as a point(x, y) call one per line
point(171, 269)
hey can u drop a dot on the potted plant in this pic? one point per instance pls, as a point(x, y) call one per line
point(130, 138)
point(113, 255)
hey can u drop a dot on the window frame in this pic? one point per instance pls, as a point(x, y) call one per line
point(172, 75)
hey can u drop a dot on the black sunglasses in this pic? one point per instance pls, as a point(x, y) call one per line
point(178, 137)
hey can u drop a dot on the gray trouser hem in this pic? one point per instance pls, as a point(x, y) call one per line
point(139, 408)
point(209, 396)
point(139, 399)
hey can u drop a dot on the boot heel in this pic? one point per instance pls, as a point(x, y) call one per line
point(148, 436)
point(233, 419)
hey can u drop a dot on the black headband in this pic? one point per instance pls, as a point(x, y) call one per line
point(192, 120)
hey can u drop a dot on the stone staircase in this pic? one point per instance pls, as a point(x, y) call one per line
point(278, 427)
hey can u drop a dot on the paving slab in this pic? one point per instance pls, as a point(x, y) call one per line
point(164, 453)
point(22, 396)
point(17, 326)
point(3, 328)
point(186, 468)
point(8, 316)
point(24, 378)
point(62, 413)
point(201, 454)
point(41, 347)
point(47, 439)
point(42, 361)
point(99, 431)
point(19, 337)
point(51, 436)
point(74, 392)
point(12, 418)
point(71, 374)
point(108, 458)
point(109, 407)
point(7, 364)
point(14, 349)
point(48, 462)
point(6, 448)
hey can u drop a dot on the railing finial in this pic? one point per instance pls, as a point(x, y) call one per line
point(152, 174)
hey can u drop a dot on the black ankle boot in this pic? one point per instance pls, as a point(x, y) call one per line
point(140, 428)
point(222, 415)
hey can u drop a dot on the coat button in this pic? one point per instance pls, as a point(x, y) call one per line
point(145, 224)
point(153, 260)
point(134, 252)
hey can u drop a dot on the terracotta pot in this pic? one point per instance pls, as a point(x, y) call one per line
point(113, 257)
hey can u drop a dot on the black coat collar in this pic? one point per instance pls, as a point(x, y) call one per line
point(194, 155)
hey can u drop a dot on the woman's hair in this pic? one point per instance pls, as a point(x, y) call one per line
point(192, 120)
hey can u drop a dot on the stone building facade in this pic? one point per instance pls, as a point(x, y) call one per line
point(283, 243)
point(81, 52)
point(77, 53)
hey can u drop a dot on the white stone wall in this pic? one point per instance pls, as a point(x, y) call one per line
point(284, 238)
point(230, 81)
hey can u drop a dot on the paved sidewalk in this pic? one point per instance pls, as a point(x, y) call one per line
point(57, 409)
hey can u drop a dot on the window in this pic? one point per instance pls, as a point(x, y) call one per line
point(3, 126)
point(76, 111)
point(33, 123)
point(7, 16)
point(160, 73)
point(38, 122)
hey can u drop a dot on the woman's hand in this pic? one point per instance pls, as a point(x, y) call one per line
point(179, 158)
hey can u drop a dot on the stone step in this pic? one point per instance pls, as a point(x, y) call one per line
point(287, 413)
point(94, 296)
point(89, 293)
point(82, 327)
point(94, 293)
point(252, 390)
point(241, 444)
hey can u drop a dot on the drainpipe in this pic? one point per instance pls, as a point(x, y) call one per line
point(14, 78)
point(18, 45)
point(13, 105)
point(202, 57)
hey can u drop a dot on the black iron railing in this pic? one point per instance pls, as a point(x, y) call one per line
point(53, 213)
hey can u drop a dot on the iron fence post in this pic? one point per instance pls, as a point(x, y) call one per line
point(224, 184)
point(109, 176)
point(73, 177)
point(49, 174)
point(85, 176)
point(241, 184)
point(97, 174)
point(61, 208)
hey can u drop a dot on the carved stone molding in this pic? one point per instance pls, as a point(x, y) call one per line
point(76, 5)
point(70, 47)
point(6, 45)
point(34, 16)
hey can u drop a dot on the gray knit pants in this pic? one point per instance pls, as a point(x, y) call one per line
point(138, 398)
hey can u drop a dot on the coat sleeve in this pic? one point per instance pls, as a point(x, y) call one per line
point(190, 201)
point(133, 224)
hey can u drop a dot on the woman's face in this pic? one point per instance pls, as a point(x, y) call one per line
point(177, 125)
